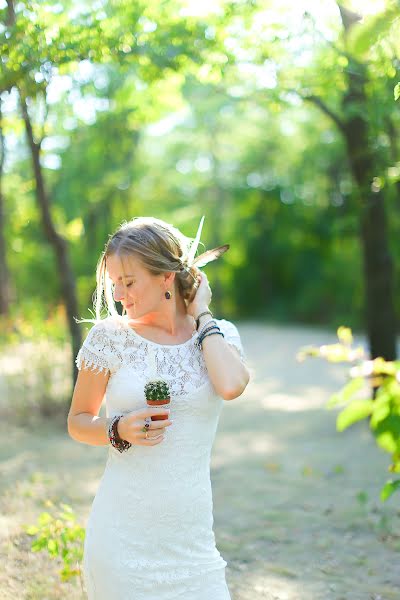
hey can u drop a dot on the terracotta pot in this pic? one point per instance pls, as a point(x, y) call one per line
point(159, 403)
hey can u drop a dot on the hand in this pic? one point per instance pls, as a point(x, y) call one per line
point(131, 424)
point(202, 296)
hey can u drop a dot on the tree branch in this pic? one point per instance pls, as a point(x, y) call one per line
point(349, 18)
point(325, 109)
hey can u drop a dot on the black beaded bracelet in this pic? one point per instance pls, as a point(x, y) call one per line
point(113, 435)
point(206, 312)
point(210, 333)
point(204, 330)
point(209, 322)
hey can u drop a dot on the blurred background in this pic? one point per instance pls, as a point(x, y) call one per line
point(277, 120)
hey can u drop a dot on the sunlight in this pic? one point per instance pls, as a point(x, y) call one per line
point(324, 11)
point(368, 7)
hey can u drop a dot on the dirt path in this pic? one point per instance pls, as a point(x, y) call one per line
point(297, 514)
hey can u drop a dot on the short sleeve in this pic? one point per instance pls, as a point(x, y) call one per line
point(99, 351)
point(232, 337)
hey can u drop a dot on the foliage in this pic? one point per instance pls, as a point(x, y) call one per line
point(372, 392)
point(61, 536)
point(143, 108)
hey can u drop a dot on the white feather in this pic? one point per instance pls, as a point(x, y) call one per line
point(195, 243)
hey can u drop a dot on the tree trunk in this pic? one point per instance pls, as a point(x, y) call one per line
point(378, 265)
point(4, 273)
point(67, 279)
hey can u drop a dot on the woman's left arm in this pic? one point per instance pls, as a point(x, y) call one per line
point(227, 372)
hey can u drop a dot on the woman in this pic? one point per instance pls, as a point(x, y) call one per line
point(150, 530)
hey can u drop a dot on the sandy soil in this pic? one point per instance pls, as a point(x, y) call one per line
point(297, 513)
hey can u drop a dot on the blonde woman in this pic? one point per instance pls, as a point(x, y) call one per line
point(150, 530)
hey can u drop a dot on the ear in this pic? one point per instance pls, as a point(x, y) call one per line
point(169, 278)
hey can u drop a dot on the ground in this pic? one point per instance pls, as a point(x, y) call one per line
point(297, 514)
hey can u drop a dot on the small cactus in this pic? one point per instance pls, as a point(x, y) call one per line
point(156, 390)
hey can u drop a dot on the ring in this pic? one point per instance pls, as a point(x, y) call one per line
point(146, 436)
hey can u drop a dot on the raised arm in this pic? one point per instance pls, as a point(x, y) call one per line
point(224, 356)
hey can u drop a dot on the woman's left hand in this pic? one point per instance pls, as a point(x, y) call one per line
point(202, 296)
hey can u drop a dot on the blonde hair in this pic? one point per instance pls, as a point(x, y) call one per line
point(160, 247)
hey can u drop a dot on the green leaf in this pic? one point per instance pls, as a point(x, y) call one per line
point(45, 518)
point(387, 433)
point(52, 547)
point(356, 411)
point(365, 35)
point(32, 530)
point(345, 336)
point(397, 91)
point(389, 488)
point(345, 394)
point(381, 410)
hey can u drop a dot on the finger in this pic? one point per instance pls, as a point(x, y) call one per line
point(150, 411)
point(150, 441)
point(154, 425)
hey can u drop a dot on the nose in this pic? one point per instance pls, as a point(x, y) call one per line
point(118, 293)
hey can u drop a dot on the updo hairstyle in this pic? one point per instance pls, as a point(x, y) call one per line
point(159, 246)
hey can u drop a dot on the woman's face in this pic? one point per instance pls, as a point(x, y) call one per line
point(139, 291)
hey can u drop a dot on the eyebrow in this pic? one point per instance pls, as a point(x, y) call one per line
point(124, 277)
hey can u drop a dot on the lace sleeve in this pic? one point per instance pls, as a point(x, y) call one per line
point(99, 351)
point(232, 336)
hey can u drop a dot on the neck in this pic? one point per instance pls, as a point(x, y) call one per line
point(171, 318)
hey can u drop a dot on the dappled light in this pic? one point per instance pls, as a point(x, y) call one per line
point(279, 122)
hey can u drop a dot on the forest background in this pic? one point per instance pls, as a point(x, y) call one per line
point(277, 121)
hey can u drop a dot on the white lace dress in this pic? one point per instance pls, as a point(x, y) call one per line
point(149, 534)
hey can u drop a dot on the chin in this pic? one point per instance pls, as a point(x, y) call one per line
point(134, 312)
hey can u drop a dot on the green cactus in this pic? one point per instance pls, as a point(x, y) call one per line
point(156, 390)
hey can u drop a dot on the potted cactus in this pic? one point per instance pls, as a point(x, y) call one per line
point(157, 393)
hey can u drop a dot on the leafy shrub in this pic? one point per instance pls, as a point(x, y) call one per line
point(372, 392)
point(61, 536)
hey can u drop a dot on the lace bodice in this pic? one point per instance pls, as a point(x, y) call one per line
point(113, 345)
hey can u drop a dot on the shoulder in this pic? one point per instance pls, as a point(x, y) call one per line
point(231, 336)
point(227, 327)
point(100, 348)
point(104, 328)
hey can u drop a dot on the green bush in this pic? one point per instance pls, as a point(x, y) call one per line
point(372, 392)
point(61, 536)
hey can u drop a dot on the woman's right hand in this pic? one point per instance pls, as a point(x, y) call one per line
point(131, 424)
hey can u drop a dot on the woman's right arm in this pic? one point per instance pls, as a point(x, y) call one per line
point(84, 424)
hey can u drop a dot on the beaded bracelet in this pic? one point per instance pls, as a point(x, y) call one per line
point(201, 336)
point(210, 322)
point(210, 333)
point(204, 330)
point(206, 312)
point(113, 435)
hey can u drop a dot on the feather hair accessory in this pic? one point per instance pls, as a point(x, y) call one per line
point(205, 257)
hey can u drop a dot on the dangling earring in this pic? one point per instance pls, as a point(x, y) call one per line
point(168, 294)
